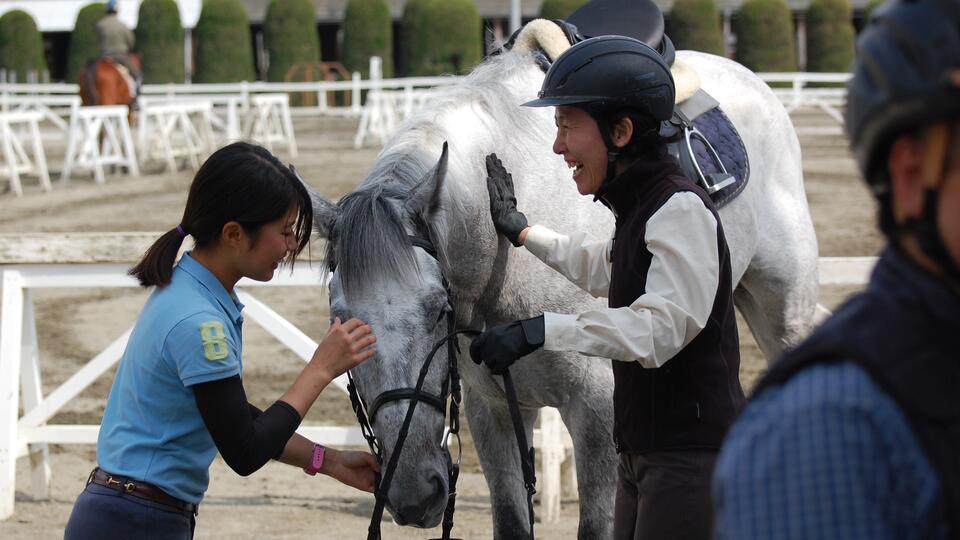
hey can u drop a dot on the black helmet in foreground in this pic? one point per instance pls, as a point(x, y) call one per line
point(907, 74)
point(607, 73)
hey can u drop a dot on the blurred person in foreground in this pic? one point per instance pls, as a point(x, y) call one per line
point(856, 433)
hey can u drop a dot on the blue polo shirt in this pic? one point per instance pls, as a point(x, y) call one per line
point(189, 332)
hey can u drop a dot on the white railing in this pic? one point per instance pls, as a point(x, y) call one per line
point(830, 99)
point(39, 261)
point(34, 266)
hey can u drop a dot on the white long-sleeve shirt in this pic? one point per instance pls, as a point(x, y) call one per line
point(681, 286)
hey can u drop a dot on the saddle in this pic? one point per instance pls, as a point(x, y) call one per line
point(708, 148)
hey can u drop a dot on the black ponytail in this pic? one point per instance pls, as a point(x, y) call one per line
point(240, 182)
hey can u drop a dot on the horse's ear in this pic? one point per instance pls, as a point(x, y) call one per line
point(425, 196)
point(324, 213)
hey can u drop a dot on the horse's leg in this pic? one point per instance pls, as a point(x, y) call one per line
point(588, 415)
point(496, 444)
point(777, 294)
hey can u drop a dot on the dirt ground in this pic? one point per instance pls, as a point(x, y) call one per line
point(280, 501)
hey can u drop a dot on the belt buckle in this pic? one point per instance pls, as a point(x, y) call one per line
point(111, 481)
point(129, 487)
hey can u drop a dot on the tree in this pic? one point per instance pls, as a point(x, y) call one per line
point(695, 25)
point(367, 31)
point(290, 34)
point(83, 40)
point(160, 41)
point(829, 36)
point(458, 48)
point(559, 9)
point(764, 31)
point(224, 51)
point(21, 46)
point(411, 28)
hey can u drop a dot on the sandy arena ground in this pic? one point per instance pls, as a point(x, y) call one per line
point(280, 501)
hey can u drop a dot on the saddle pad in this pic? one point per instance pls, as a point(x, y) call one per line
point(723, 136)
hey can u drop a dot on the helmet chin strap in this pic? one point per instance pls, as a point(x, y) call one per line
point(613, 153)
point(925, 228)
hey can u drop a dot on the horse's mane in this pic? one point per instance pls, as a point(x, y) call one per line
point(369, 235)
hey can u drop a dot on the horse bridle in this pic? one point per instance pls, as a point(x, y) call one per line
point(451, 386)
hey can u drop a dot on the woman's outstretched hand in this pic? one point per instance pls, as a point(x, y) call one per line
point(344, 347)
point(355, 469)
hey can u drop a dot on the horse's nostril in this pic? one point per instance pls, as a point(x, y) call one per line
point(409, 515)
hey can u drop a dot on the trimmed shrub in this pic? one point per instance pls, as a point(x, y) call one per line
point(21, 47)
point(290, 35)
point(455, 43)
point(695, 25)
point(160, 41)
point(559, 9)
point(829, 36)
point(83, 40)
point(764, 31)
point(367, 31)
point(224, 51)
point(411, 28)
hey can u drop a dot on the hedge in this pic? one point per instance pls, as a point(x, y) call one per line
point(695, 25)
point(765, 36)
point(290, 35)
point(455, 43)
point(84, 45)
point(224, 50)
point(160, 42)
point(829, 36)
point(367, 31)
point(21, 47)
point(559, 9)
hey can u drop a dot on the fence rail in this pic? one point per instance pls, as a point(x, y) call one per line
point(806, 89)
point(37, 261)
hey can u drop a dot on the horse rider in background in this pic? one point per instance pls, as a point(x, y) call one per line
point(117, 41)
point(855, 434)
point(670, 327)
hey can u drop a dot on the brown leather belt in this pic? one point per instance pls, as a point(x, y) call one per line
point(140, 489)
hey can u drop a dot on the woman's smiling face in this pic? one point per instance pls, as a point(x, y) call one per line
point(581, 145)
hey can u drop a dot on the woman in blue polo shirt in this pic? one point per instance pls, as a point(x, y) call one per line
point(178, 398)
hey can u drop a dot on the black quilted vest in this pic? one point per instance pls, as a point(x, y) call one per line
point(904, 330)
point(691, 400)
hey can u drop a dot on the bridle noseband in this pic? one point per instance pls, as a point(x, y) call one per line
point(451, 387)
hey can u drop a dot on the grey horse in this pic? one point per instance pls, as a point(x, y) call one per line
point(417, 187)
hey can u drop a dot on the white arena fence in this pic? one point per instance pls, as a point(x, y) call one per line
point(29, 262)
point(404, 95)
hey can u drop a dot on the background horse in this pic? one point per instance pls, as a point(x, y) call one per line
point(103, 83)
point(399, 289)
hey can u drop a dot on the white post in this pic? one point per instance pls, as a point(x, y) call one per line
point(32, 397)
point(11, 332)
point(355, 104)
point(514, 15)
point(551, 455)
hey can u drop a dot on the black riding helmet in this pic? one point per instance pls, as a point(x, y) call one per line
point(612, 74)
point(907, 74)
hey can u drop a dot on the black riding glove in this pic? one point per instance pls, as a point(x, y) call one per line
point(501, 346)
point(503, 203)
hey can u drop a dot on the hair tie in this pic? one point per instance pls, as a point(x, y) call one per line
point(181, 230)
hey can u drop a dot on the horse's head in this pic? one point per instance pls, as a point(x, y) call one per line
point(380, 246)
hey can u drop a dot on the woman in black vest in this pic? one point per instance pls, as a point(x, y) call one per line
point(670, 323)
point(856, 432)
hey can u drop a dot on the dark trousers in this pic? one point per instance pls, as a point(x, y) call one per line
point(102, 512)
point(664, 495)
